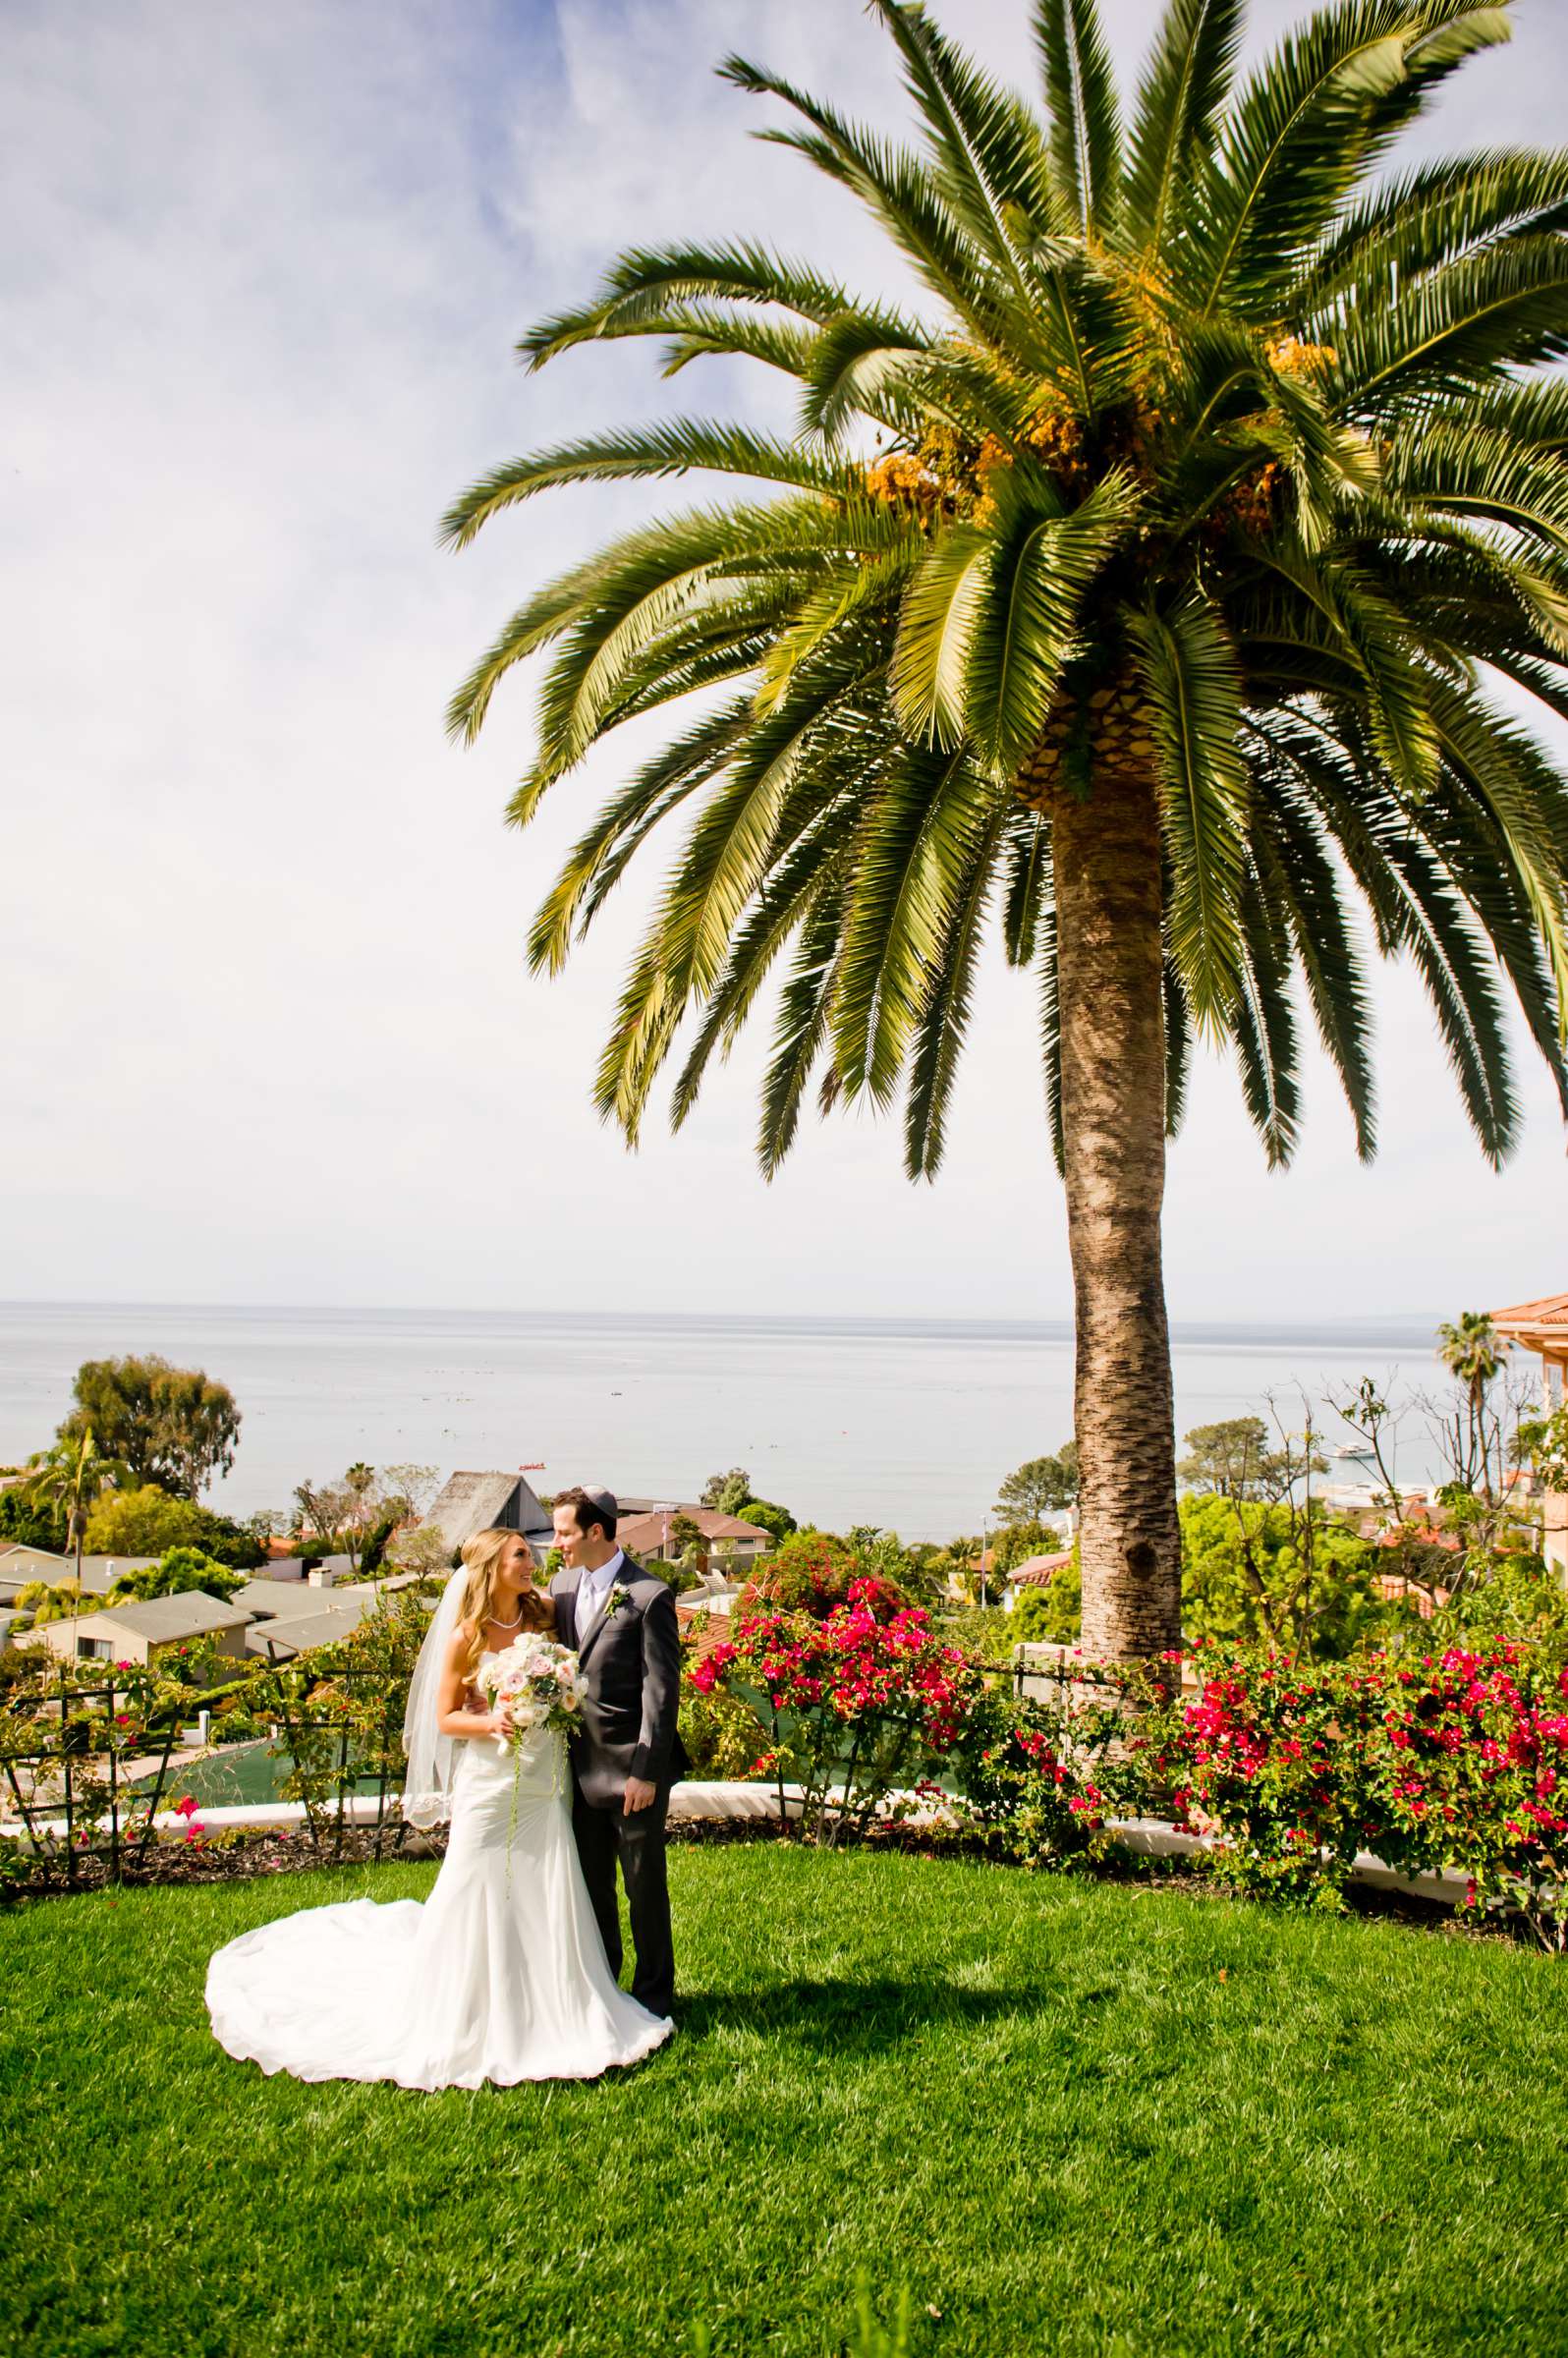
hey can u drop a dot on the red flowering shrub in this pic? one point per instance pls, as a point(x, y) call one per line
point(859, 1699)
point(814, 1573)
point(1459, 1760)
point(1467, 1766)
point(1269, 1756)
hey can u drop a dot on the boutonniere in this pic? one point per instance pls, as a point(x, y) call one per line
point(619, 1595)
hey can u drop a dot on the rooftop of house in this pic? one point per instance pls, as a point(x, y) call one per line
point(274, 1600)
point(471, 1502)
point(296, 1633)
point(20, 1566)
point(641, 1529)
point(1547, 1316)
point(1035, 1571)
point(191, 1615)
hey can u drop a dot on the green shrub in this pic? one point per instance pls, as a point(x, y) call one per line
point(776, 1519)
point(148, 1522)
point(1039, 1780)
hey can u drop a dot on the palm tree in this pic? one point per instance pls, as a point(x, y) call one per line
point(1472, 1353)
point(69, 1477)
point(1146, 590)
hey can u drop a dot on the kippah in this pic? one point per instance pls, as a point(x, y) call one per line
point(601, 1497)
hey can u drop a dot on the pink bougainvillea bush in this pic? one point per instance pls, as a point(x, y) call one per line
point(1457, 1759)
point(860, 1700)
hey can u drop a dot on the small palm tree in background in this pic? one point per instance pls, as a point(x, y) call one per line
point(1472, 1352)
point(69, 1477)
point(1143, 592)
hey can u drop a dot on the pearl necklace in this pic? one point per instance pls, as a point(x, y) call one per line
point(497, 1623)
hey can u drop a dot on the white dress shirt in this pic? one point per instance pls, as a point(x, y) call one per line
point(593, 1590)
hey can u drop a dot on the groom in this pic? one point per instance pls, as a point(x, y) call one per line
point(628, 1755)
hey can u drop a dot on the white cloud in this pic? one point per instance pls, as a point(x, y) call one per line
point(271, 1034)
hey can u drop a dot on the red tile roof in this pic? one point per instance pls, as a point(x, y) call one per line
point(1551, 1310)
point(1037, 1570)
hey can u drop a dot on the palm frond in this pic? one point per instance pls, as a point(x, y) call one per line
point(1050, 1034)
point(1457, 328)
point(645, 283)
point(912, 855)
point(1432, 217)
point(1178, 1028)
point(799, 1036)
point(1031, 604)
point(599, 858)
point(1026, 884)
point(1308, 124)
point(1298, 875)
point(941, 1026)
point(1263, 1027)
point(1185, 87)
point(1194, 687)
point(1081, 101)
point(681, 446)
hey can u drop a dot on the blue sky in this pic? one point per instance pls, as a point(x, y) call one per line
point(271, 1034)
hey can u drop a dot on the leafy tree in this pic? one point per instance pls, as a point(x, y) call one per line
point(27, 1521)
point(343, 1514)
point(812, 1572)
point(1016, 1542)
point(726, 1494)
point(175, 1426)
point(767, 1517)
point(1213, 494)
point(686, 1537)
point(1234, 1459)
point(424, 1548)
point(148, 1521)
point(1544, 1443)
point(1255, 1570)
point(179, 1570)
point(408, 1490)
point(1041, 1486)
point(54, 1600)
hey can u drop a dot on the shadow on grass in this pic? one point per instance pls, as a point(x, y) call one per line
point(860, 2015)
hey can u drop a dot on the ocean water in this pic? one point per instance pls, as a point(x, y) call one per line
point(906, 1423)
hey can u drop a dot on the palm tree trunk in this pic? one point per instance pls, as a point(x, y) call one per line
point(1106, 856)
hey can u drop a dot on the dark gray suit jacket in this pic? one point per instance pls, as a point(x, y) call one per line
point(631, 1663)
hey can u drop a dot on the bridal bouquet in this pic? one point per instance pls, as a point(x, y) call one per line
point(538, 1684)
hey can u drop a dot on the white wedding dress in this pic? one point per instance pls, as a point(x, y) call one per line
point(500, 1975)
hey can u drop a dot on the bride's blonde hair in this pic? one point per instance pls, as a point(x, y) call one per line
point(476, 1598)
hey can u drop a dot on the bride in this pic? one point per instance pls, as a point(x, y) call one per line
point(501, 1974)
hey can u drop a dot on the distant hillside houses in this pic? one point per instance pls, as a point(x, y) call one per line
point(19, 1567)
point(292, 1608)
point(475, 1502)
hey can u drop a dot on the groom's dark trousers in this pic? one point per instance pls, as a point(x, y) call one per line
point(605, 1837)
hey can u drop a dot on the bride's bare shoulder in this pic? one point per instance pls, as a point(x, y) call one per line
point(462, 1638)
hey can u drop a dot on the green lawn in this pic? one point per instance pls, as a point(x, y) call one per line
point(1073, 2118)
